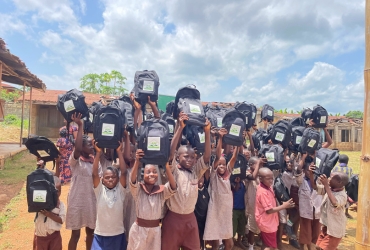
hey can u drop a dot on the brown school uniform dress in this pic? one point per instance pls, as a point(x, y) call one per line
point(129, 207)
point(250, 203)
point(180, 228)
point(145, 233)
point(219, 223)
point(81, 201)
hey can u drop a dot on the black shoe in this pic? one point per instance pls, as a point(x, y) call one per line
point(294, 243)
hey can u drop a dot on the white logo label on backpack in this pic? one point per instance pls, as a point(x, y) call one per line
point(219, 122)
point(154, 143)
point(202, 137)
point(236, 171)
point(270, 113)
point(170, 128)
point(43, 153)
point(323, 119)
point(39, 196)
point(318, 162)
point(107, 129)
point(148, 86)
point(194, 108)
point(279, 136)
point(246, 120)
point(253, 115)
point(91, 117)
point(270, 156)
point(312, 143)
point(298, 139)
point(69, 106)
point(261, 143)
point(234, 130)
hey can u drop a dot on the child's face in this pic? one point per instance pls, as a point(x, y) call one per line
point(150, 174)
point(335, 181)
point(221, 167)
point(247, 154)
point(252, 166)
point(187, 158)
point(59, 188)
point(110, 179)
point(201, 182)
point(289, 164)
point(132, 153)
point(88, 147)
point(267, 179)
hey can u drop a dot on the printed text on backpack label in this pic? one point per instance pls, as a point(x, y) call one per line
point(69, 106)
point(234, 130)
point(107, 129)
point(39, 196)
point(154, 143)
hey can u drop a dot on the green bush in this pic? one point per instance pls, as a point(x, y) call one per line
point(15, 121)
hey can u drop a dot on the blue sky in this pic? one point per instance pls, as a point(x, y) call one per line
point(290, 54)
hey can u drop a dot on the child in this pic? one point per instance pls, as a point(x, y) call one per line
point(333, 218)
point(110, 194)
point(266, 210)
point(49, 223)
point(219, 223)
point(81, 204)
point(239, 219)
point(150, 199)
point(179, 228)
point(65, 147)
point(309, 204)
point(251, 184)
point(201, 206)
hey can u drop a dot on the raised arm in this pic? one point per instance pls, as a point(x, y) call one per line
point(95, 172)
point(57, 164)
point(122, 165)
point(127, 148)
point(259, 164)
point(329, 141)
point(251, 144)
point(207, 146)
point(170, 177)
point(137, 107)
point(139, 155)
point(221, 134)
point(312, 168)
point(234, 158)
point(177, 137)
point(154, 108)
point(324, 180)
point(76, 117)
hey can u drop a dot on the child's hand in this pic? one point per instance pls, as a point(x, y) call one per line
point(182, 118)
point(119, 148)
point(76, 117)
point(46, 213)
point(262, 161)
point(249, 133)
point(213, 131)
point(97, 149)
point(288, 204)
point(311, 123)
point(207, 126)
point(139, 154)
point(312, 168)
point(222, 132)
point(134, 102)
point(324, 180)
point(151, 103)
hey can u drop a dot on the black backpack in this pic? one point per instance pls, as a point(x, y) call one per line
point(122, 106)
point(281, 133)
point(319, 116)
point(234, 123)
point(259, 138)
point(249, 110)
point(89, 120)
point(275, 157)
point(153, 139)
point(352, 188)
point(240, 167)
point(215, 116)
point(267, 113)
point(306, 115)
point(326, 159)
point(129, 112)
point(146, 84)
point(196, 137)
point(281, 192)
point(188, 100)
point(41, 191)
point(108, 127)
point(310, 141)
point(297, 134)
point(297, 122)
point(170, 107)
point(72, 102)
point(171, 124)
point(42, 148)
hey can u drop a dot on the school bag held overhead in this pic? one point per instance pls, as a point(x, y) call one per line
point(309, 142)
point(326, 159)
point(249, 110)
point(72, 102)
point(267, 113)
point(146, 84)
point(188, 101)
point(319, 116)
point(281, 133)
point(42, 148)
point(234, 123)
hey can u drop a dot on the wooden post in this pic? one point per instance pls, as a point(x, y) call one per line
point(24, 90)
point(363, 208)
point(29, 113)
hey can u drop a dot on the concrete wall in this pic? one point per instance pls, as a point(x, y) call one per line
point(15, 108)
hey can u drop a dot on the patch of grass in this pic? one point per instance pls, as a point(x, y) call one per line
point(11, 210)
point(17, 168)
point(354, 160)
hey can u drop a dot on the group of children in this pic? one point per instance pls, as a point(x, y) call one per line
point(193, 199)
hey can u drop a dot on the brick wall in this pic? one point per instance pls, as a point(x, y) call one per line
point(15, 108)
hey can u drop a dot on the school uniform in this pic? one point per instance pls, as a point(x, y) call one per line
point(239, 219)
point(109, 232)
point(129, 208)
point(47, 231)
point(268, 223)
point(145, 233)
point(201, 208)
point(333, 220)
point(250, 203)
point(219, 223)
point(179, 227)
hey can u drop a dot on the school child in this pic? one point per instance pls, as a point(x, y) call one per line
point(150, 198)
point(239, 219)
point(251, 184)
point(266, 210)
point(81, 203)
point(110, 194)
point(333, 218)
point(309, 204)
point(179, 226)
point(49, 223)
point(219, 223)
point(201, 206)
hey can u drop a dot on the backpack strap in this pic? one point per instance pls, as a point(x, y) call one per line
point(36, 216)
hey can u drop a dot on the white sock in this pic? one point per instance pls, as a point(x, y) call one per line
point(251, 247)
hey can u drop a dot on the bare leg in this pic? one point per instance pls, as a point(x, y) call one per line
point(229, 243)
point(215, 244)
point(89, 237)
point(75, 237)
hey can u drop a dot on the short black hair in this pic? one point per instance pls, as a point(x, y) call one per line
point(113, 169)
point(343, 158)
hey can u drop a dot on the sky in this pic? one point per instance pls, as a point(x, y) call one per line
point(289, 54)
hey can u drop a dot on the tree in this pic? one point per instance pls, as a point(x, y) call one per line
point(355, 114)
point(10, 96)
point(105, 83)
